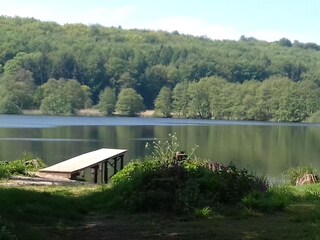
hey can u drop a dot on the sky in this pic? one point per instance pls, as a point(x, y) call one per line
point(268, 20)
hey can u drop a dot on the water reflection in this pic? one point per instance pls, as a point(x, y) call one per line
point(263, 148)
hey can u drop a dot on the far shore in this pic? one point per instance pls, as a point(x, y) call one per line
point(89, 112)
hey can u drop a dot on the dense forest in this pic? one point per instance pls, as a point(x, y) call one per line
point(60, 69)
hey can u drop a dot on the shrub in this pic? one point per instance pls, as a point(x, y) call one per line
point(163, 184)
point(27, 163)
point(147, 185)
point(234, 182)
point(4, 171)
point(17, 167)
point(156, 186)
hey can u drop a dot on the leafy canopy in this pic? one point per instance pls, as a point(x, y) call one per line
point(129, 102)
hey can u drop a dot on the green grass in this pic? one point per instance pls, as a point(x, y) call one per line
point(30, 209)
point(83, 212)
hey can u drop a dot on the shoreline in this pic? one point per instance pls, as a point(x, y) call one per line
point(89, 112)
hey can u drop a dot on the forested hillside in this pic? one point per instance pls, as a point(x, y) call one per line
point(61, 69)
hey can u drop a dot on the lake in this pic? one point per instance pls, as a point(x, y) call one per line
point(262, 147)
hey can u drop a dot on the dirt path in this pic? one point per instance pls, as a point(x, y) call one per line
point(38, 180)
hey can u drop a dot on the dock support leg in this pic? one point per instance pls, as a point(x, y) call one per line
point(94, 171)
point(105, 175)
point(121, 162)
point(115, 166)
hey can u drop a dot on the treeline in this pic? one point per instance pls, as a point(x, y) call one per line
point(36, 56)
point(275, 99)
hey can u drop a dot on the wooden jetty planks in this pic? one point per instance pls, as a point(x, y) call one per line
point(85, 160)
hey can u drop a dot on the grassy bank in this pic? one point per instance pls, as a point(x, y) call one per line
point(83, 212)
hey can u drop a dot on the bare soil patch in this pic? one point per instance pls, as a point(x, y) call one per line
point(37, 179)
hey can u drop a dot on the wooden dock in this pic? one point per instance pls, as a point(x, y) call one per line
point(97, 166)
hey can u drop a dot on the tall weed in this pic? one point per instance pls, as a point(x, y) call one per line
point(166, 150)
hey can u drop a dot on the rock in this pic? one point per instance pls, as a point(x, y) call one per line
point(307, 179)
point(32, 163)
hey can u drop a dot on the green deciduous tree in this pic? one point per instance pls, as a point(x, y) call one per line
point(156, 78)
point(126, 81)
point(62, 97)
point(199, 104)
point(270, 94)
point(180, 99)
point(217, 97)
point(107, 101)
point(16, 91)
point(56, 104)
point(163, 103)
point(35, 62)
point(248, 94)
point(129, 102)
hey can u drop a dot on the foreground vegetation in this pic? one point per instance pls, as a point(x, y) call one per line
point(165, 197)
point(74, 212)
point(61, 69)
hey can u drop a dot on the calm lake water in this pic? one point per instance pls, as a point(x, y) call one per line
point(263, 148)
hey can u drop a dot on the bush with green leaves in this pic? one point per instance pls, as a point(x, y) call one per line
point(162, 184)
point(23, 166)
point(156, 186)
point(232, 183)
point(4, 171)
